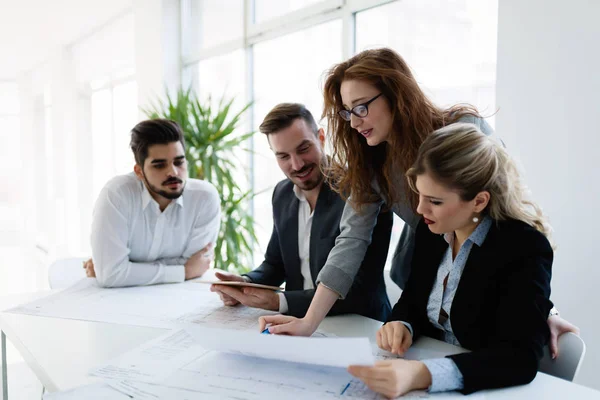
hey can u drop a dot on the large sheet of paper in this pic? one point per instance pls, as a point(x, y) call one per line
point(153, 361)
point(333, 352)
point(412, 353)
point(175, 366)
point(159, 306)
point(176, 360)
point(104, 391)
point(128, 390)
point(159, 358)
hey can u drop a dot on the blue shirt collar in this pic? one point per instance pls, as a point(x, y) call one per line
point(478, 235)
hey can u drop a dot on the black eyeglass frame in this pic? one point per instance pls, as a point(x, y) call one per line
point(346, 114)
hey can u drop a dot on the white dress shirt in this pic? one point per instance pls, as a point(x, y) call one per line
point(305, 217)
point(134, 243)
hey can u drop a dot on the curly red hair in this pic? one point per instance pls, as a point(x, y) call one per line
point(354, 163)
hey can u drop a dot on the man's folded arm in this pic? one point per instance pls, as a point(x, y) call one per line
point(204, 232)
point(111, 254)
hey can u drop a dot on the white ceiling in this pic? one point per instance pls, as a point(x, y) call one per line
point(32, 30)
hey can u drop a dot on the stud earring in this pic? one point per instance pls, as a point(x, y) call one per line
point(475, 219)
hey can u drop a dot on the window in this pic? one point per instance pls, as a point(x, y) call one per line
point(12, 159)
point(126, 115)
point(287, 69)
point(269, 9)
point(10, 154)
point(102, 155)
point(213, 22)
point(223, 75)
point(114, 113)
point(12, 234)
point(449, 45)
point(9, 98)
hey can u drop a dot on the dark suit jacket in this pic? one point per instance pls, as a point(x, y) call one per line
point(367, 296)
point(500, 306)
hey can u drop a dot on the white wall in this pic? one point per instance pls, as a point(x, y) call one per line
point(548, 95)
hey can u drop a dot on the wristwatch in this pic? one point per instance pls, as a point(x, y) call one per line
point(553, 312)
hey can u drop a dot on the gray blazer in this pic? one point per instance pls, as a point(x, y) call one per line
point(356, 231)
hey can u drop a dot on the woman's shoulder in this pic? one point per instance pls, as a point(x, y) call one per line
point(521, 237)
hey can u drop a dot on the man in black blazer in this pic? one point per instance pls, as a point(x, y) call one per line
point(306, 218)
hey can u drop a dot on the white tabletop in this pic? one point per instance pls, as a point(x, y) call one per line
point(62, 351)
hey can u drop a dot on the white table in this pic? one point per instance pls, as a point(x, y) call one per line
point(61, 352)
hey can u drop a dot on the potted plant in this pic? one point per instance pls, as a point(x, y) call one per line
point(212, 139)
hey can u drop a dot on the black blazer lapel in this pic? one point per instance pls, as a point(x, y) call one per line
point(429, 251)
point(432, 259)
point(288, 237)
point(320, 218)
point(473, 291)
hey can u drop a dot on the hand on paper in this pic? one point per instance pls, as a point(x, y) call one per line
point(286, 325)
point(248, 296)
point(394, 337)
point(393, 378)
point(558, 326)
point(198, 263)
point(89, 268)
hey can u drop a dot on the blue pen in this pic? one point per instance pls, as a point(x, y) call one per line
point(266, 331)
point(346, 388)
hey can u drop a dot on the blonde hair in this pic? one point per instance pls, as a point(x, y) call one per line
point(463, 159)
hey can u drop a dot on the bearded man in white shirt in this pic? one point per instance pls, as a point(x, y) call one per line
point(154, 225)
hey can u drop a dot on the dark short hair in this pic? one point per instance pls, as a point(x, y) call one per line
point(283, 116)
point(153, 131)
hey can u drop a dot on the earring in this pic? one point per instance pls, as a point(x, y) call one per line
point(475, 219)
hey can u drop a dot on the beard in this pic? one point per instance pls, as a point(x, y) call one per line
point(167, 194)
point(314, 182)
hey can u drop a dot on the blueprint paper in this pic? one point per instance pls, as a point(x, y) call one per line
point(158, 306)
point(153, 361)
point(185, 370)
point(159, 358)
point(101, 391)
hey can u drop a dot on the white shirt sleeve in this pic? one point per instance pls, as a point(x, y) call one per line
point(111, 254)
point(206, 225)
point(445, 375)
point(283, 305)
point(205, 231)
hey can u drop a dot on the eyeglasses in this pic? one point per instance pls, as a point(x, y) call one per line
point(361, 110)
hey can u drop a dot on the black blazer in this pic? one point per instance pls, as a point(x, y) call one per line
point(500, 306)
point(367, 296)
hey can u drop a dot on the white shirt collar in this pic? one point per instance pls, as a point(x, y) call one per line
point(299, 193)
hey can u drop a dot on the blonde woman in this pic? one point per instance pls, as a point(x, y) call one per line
point(481, 254)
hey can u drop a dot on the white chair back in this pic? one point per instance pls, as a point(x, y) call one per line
point(571, 350)
point(64, 272)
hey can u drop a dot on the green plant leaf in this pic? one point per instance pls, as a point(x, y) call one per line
point(212, 137)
